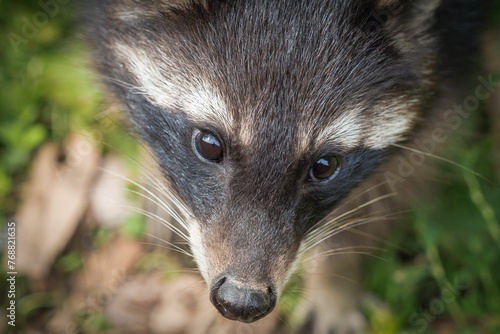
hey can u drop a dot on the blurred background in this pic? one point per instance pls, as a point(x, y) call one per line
point(70, 183)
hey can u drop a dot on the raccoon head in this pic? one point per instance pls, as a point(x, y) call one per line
point(263, 116)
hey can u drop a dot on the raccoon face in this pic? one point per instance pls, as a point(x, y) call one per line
point(263, 116)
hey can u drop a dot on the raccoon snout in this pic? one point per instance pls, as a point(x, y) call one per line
point(239, 301)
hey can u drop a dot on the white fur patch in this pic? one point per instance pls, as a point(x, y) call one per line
point(246, 133)
point(389, 125)
point(381, 127)
point(174, 88)
point(345, 131)
point(198, 250)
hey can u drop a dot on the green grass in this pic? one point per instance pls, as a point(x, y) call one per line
point(445, 270)
point(447, 266)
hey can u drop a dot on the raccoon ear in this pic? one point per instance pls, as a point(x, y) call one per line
point(387, 4)
point(379, 4)
point(185, 3)
point(425, 6)
point(414, 12)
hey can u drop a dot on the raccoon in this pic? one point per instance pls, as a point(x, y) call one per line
point(280, 127)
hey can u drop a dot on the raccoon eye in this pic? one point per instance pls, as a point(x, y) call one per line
point(209, 146)
point(324, 168)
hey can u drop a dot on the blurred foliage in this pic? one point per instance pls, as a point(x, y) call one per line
point(134, 227)
point(445, 268)
point(47, 89)
point(494, 15)
point(69, 263)
point(446, 265)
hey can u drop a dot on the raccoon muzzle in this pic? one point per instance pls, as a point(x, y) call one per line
point(240, 301)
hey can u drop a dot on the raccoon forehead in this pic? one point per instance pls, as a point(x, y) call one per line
point(373, 127)
point(194, 96)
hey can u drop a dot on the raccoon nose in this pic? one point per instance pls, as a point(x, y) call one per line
point(238, 301)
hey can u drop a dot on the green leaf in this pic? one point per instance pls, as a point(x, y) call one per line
point(32, 137)
point(70, 262)
point(134, 227)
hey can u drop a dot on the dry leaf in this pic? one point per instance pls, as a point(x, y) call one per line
point(54, 200)
point(108, 200)
point(103, 273)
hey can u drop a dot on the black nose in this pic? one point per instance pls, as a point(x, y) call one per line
point(239, 301)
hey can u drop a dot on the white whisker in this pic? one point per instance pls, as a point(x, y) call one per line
point(174, 247)
point(324, 226)
point(164, 222)
point(153, 198)
point(437, 157)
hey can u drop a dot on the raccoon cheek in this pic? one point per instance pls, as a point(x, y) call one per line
point(198, 250)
